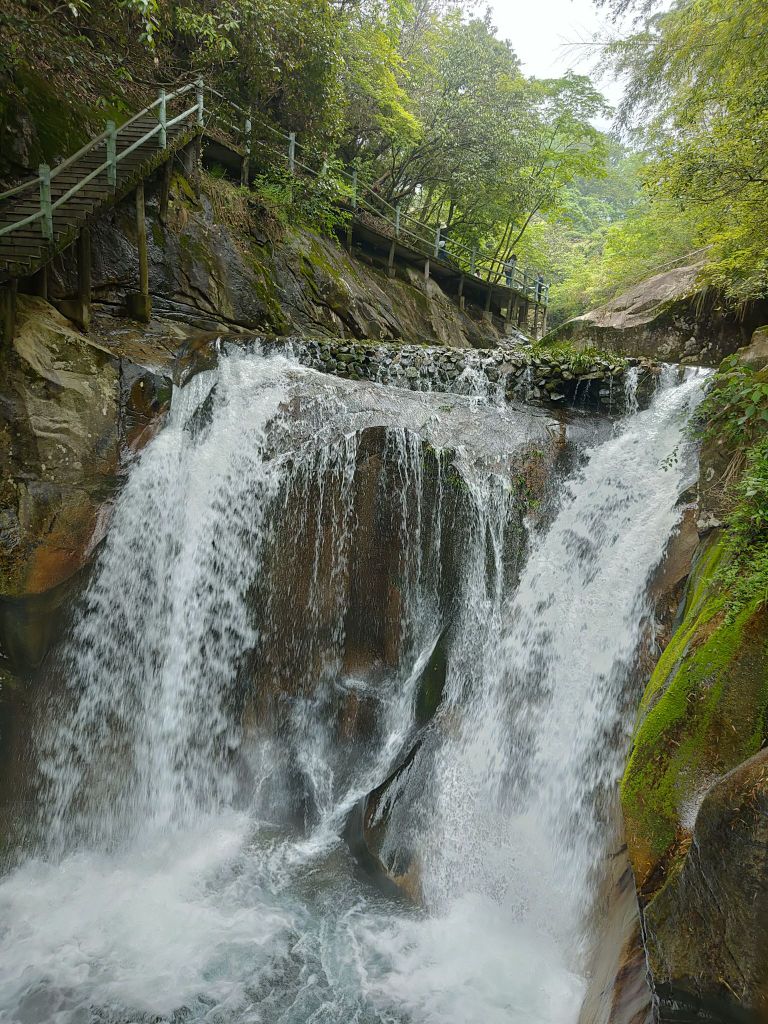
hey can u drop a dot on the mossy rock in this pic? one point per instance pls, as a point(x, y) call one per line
point(703, 713)
point(61, 125)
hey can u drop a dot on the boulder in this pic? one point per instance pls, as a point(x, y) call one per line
point(755, 354)
point(669, 316)
point(707, 930)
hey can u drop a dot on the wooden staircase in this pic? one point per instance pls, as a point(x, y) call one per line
point(138, 151)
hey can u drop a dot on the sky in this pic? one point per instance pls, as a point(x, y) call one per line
point(545, 35)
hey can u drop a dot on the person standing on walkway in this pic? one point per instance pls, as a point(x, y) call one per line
point(509, 270)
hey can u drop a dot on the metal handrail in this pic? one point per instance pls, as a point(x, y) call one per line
point(91, 146)
point(403, 223)
point(525, 282)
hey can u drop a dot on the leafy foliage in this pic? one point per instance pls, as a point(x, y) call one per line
point(736, 405)
point(311, 201)
point(746, 574)
point(698, 94)
point(735, 413)
point(421, 96)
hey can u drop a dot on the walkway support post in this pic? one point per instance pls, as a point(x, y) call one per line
point(8, 310)
point(511, 309)
point(487, 315)
point(397, 221)
point(165, 190)
point(45, 201)
point(462, 300)
point(354, 189)
point(111, 154)
point(162, 117)
point(292, 152)
point(140, 303)
point(41, 282)
point(84, 278)
point(391, 260)
point(79, 308)
point(522, 319)
point(200, 94)
point(245, 167)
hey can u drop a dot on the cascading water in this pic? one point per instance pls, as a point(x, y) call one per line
point(248, 662)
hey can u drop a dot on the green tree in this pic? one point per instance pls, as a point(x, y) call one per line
point(698, 86)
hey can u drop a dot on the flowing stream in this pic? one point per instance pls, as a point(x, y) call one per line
point(220, 712)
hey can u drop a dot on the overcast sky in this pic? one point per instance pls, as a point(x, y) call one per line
point(545, 35)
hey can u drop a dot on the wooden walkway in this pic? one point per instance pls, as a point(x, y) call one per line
point(140, 146)
point(42, 217)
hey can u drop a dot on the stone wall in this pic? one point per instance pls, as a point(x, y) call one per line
point(512, 370)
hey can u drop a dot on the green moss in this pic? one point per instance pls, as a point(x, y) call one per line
point(705, 710)
point(455, 480)
point(158, 236)
point(197, 252)
point(314, 256)
point(264, 286)
point(694, 617)
point(62, 125)
point(182, 189)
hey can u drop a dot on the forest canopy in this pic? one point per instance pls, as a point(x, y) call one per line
point(431, 108)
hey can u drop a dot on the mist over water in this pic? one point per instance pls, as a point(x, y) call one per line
point(188, 863)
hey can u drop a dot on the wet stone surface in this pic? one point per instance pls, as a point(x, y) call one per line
point(515, 372)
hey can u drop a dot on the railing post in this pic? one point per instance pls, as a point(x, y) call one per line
point(45, 201)
point(473, 263)
point(397, 221)
point(292, 152)
point(437, 242)
point(163, 119)
point(111, 154)
point(200, 101)
point(354, 189)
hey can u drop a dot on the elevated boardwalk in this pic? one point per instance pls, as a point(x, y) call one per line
point(45, 215)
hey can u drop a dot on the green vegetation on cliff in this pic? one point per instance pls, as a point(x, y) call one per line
point(703, 712)
point(705, 709)
point(697, 83)
point(735, 412)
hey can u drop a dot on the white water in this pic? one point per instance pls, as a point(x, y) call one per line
point(179, 878)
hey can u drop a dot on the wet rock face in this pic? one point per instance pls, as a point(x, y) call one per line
point(707, 931)
point(349, 546)
point(71, 414)
point(701, 715)
point(755, 354)
point(245, 274)
point(667, 317)
point(695, 803)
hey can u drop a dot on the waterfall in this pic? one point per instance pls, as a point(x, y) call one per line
point(289, 560)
